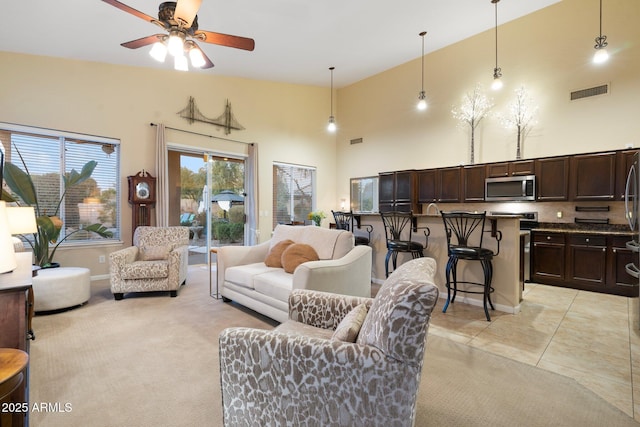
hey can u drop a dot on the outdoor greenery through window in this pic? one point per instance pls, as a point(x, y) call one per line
point(51, 157)
point(293, 193)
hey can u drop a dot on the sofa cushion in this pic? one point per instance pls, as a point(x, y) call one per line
point(145, 270)
point(154, 253)
point(243, 275)
point(348, 329)
point(276, 284)
point(274, 257)
point(296, 254)
point(328, 243)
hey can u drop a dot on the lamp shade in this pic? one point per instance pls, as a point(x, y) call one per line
point(7, 254)
point(22, 220)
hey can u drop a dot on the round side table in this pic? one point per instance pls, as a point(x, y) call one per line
point(13, 365)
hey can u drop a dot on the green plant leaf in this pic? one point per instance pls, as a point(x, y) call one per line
point(74, 178)
point(20, 183)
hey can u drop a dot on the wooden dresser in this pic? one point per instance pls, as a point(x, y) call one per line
point(16, 311)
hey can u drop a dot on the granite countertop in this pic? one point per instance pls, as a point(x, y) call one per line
point(608, 229)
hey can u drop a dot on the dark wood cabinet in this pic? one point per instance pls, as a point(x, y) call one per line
point(593, 176)
point(552, 176)
point(473, 183)
point(618, 257)
point(398, 191)
point(624, 160)
point(442, 185)
point(548, 257)
point(592, 262)
point(587, 260)
point(518, 167)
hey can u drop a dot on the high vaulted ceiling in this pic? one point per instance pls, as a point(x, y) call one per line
point(296, 40)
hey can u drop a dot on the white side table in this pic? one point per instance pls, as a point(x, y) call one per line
point(61, 287)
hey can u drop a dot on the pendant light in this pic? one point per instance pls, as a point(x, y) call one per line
point(422, 101)
point(497, 71)
point(601, 54)
point(331, 127)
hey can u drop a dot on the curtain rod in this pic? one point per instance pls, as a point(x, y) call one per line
point(203, 134)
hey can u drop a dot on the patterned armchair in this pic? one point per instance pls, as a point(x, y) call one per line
point(303, 373)
point(157, 261)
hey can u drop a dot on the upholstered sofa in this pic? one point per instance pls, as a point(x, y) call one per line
point(341, 268)
point(157, 261)
point(328, 367)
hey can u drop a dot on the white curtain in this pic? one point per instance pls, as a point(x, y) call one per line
point(162, 180)
point(251, 199)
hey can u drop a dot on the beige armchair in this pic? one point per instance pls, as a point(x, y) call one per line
point(309, 372)
point(157, 261)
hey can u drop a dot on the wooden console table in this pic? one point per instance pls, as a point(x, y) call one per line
point(16, 300)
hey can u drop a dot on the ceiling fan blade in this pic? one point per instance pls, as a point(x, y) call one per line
point(225, 40)
point(130, 10)
point(186, 11)
point(145, 41)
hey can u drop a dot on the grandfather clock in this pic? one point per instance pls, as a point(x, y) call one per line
point(142, 196)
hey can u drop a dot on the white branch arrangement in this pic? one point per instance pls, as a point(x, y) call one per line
point(521, 116)
point(474, 107)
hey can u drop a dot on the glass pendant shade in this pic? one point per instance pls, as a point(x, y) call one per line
point(158, 51)
point(175, 44)
point(181, 63)
point(600, 56)
point(422, 101)
point(331, 127)
point(196, 57)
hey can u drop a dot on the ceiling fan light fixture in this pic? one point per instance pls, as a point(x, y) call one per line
point(158, 51)
point(176, 43)
point(196, 56)
point(186, 11)
point(181, 63)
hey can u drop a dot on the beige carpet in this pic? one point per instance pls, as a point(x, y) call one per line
point(153, 361)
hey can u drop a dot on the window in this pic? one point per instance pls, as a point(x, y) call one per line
point(293, 193)
point(51, 156)
point(364, 194)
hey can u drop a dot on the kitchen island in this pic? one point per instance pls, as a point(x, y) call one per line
point(506, 282)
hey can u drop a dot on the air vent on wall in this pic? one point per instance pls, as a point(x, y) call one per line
point(356, 141)
point(592, 91)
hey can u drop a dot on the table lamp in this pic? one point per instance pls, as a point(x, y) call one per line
point(7, 254)
point(22, 220)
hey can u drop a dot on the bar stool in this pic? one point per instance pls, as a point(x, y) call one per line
point(468, 229)
point(395, 224)
point(347, 221)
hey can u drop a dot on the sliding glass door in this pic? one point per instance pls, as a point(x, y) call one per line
point(207, 195)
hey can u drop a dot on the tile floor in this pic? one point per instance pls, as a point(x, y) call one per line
point(593, 338)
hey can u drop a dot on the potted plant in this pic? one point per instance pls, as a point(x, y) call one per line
point(45, 241)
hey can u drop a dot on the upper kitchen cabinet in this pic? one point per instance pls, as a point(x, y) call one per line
point(473, 183)
point(552, 175)
point(398, 191)
point(519, 167)
point(624, 160)
point(440, 185)
point(593, 176)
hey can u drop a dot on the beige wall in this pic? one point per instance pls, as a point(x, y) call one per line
point(548, 52)
point(286, 121)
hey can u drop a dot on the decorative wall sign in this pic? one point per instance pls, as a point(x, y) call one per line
point(226, 120)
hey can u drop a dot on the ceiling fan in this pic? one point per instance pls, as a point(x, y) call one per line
point(180, 21)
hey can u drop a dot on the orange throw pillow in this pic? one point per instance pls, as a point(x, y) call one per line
point(296, 254)
point(274, 257)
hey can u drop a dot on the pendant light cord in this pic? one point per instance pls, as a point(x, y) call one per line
point(422, 75)
point(496, 29)
point(600, 18)
point(331, 68)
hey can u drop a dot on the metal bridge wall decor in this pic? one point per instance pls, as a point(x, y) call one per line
point(226, 120)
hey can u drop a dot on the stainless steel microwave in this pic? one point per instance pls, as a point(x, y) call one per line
point(510, 188)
